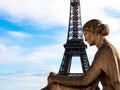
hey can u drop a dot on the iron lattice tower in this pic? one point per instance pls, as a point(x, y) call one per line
point(75, 45)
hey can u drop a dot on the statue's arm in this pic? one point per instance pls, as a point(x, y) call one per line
point(90, 76)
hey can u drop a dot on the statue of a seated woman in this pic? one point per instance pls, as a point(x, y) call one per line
point(105, 66)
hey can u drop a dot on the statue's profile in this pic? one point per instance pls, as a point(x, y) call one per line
point(105, 66)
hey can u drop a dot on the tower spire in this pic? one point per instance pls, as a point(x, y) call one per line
point(75, 46)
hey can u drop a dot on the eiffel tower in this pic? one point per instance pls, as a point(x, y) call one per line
point(75, 46)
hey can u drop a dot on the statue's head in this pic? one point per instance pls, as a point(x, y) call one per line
point(96, 26)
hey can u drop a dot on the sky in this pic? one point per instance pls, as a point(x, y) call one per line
point(32, 34)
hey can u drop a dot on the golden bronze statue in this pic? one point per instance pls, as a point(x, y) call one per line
point(105, 66)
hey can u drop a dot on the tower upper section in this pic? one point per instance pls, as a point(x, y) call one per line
point(75, 25)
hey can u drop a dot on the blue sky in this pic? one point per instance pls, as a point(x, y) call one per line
point(32, 34)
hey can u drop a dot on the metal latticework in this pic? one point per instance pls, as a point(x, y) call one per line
point(75, 44)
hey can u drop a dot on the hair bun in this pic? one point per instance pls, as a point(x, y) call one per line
point(104, 29)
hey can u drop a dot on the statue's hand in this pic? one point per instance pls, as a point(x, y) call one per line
point(51, 77)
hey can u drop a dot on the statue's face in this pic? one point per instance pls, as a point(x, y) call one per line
point(89, 37)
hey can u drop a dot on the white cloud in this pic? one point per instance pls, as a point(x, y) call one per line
point(10, 54)
point(14, 54)
point(33, 60)
point(40, 10)
point(19, 34)
point(26, 82)
point(45, 54)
